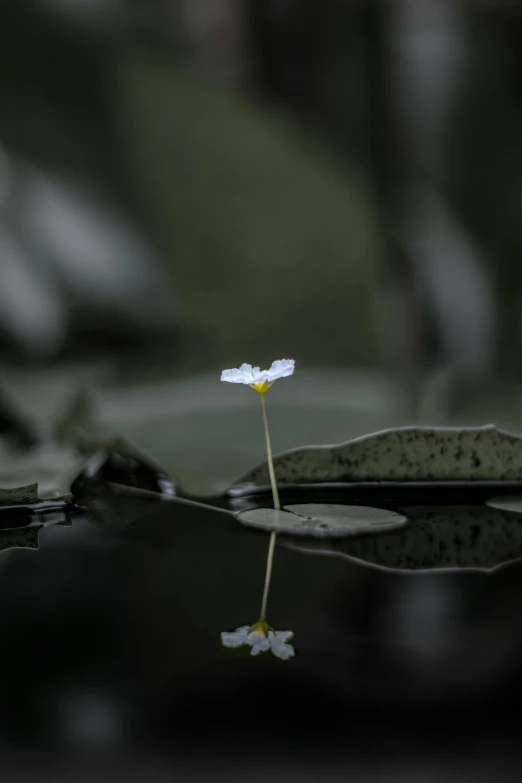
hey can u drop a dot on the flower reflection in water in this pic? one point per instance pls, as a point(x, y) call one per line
point(260, 637)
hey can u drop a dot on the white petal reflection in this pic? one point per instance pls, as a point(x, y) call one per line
point(235, 638)
point(279, 647)
point(275, 641)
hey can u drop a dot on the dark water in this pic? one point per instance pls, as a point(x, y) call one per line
point(111, 661)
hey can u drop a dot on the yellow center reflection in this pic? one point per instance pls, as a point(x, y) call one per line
point(260, 627)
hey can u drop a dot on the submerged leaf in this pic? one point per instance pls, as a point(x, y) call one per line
point(475, 537)
point(22, 529)
point(403, 454)
point(25, 538)
point(322, 520)
point(506, 503)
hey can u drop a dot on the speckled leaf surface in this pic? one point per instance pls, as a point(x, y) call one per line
point(477, 538)
point(25, 538)
point(403, 454)
point(12, 496)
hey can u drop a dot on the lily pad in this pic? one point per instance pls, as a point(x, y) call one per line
point(506, 503)
point(475, 538)
point(402, 454)
point(322, 520)
point(358, 519)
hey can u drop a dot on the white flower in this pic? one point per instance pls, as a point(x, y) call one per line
point(253, 376)
point(260, 637)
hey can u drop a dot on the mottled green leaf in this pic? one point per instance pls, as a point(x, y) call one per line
point(13, 496)
point(403, 454)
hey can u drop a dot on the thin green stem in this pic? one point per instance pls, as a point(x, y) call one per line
point(268, 575)
point(275, 493)
point(277, 505)
point(147, 493)
point(198, 504)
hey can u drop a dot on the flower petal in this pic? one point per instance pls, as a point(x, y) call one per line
point(247, 372)
point(281, 368)
point(232, 376)
point(259, 375)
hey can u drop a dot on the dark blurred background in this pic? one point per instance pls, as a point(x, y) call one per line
point(189, 184)
point(338, 181)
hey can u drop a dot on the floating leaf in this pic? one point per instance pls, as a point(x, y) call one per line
point(353, 519)
point(14, 496)
point(322, 520)
point(403, 454)
point(506, 503)
point(476, 537)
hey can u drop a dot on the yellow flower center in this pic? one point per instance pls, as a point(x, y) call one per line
point(261, 386)
point(260, 627)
